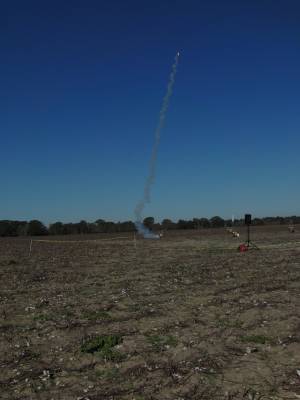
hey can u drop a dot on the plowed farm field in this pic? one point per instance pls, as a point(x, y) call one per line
point(184, 317)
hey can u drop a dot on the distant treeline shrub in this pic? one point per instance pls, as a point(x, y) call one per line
point(37, 228)
point(22, 228)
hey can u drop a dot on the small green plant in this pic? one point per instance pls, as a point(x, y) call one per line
point(259, 339)
point(210, 377)
point(68, 312)
point(97, 315)
point(111, 373)
point(103, 346)
point(252, 394)
point(41, 317)
point(160, 342)
point(227, 323)
point(135, 307)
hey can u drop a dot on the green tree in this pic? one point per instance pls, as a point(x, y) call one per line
point(36, 228)
point(5, 228)
point(70, 229)
point(110, 227)
point(149, 222)
point(185, 224)
point(257, 221)
point(204, 223)
point(100, 225)
point(56, 229)
point(92, 227)
point(22, 228)
point(217, 222)
point(83, 227)
point(127, 226)
point(168, 224)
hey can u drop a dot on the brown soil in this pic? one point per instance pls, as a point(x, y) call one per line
point(198, 320)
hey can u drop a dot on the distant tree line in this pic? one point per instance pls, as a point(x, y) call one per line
point(37, 228)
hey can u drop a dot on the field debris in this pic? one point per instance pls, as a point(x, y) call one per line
point(233, 233)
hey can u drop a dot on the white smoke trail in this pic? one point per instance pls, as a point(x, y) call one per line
point(151, 177)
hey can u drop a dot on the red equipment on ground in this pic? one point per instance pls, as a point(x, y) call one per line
point(242, 248)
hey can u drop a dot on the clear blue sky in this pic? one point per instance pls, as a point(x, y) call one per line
point(82, 83)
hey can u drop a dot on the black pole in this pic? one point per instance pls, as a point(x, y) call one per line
point(248, 223)
point(248, 235)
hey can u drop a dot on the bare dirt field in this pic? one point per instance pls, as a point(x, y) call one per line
point(184, 317)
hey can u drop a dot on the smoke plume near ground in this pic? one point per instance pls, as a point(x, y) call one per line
point(152, 165)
